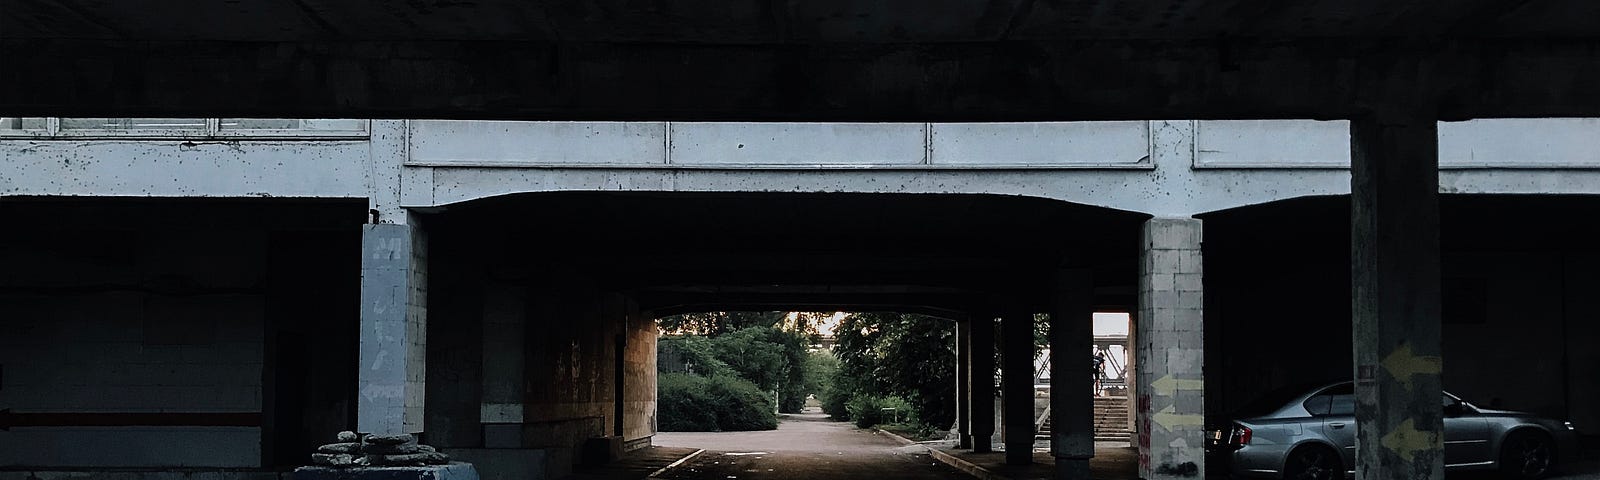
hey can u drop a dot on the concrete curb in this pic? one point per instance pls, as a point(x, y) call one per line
point(680, 461)
point(968, 467)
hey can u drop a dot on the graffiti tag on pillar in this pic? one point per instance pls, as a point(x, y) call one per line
point(1168, 418)
point(1402, 364)
point(1144, 432)
point(1406, 441)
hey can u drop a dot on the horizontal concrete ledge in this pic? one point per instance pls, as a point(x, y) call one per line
point(124, 474)
point(759, 166)
point(948, 459)
point(453, 471)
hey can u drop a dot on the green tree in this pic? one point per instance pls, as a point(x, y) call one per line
point(714, 324)
point(898, 355)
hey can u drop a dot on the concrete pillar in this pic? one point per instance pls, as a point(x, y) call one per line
point(505, 343)
point(980, 380)
point(1071, 375)
point(1394, 254)
point(1016, 377)
point(963, 384)
point(1171, 408)
point(391, 377)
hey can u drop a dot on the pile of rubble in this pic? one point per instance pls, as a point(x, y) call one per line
point(356, 450)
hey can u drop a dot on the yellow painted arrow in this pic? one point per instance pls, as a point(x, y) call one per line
point(1402, 364)
point(1166, 386)
point(1406, 440)
point(1168, 418)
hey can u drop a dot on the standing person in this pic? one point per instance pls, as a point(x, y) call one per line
point(1099, 370)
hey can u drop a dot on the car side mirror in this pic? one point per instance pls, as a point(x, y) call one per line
point(1454, 409)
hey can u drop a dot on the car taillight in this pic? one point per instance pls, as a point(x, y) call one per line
point(1241, 436)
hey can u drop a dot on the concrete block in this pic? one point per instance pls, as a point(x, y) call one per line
point(453, 471)
point(503, 463)
point(1185, 361)
point(1188, 282)
point(502, 435)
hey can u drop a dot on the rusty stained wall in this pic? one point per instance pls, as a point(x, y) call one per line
point(639, 376)
point(571, 357)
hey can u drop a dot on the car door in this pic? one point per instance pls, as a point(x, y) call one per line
point(1466, 435)
point(1336, 406)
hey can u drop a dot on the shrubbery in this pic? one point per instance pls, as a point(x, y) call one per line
point(719, 403)
point(867, 410)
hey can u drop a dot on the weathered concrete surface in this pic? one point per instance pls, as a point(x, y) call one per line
point(1396, 291)
point(394, 329)
point(1170, 348)
point(1071, 341)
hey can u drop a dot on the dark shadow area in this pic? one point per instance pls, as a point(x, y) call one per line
point(1518, 315)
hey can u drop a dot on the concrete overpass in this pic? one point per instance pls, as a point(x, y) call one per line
point(1392, 70)
point(516, 266)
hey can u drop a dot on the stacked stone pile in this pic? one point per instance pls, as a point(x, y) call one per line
point(356, 450)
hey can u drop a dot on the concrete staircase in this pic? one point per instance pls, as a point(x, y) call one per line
point(1110, 421)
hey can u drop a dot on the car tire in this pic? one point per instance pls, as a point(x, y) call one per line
point(1527, 455)
point(1313, 462)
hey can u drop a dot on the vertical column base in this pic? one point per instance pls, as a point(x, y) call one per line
point(1072, 468)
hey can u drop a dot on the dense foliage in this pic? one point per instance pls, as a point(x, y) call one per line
point(766, 350)
point(889, 358)
point(717, 403)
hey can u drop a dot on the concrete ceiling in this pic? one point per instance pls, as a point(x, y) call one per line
point(790, 21)
point(766, 60)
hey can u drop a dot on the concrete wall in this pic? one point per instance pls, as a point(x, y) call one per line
point(131, 321)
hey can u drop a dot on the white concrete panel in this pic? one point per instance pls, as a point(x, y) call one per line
point(171, 168)
point(236, 447)
point(513, 143)
point(1272, 144)
point(1520, 143)
point(1043, 144)
point(799, 144)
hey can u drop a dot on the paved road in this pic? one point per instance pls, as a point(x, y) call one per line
point(804, 447)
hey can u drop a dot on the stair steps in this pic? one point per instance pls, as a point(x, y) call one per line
point(1110, 421)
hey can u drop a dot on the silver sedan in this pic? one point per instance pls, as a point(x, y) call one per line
point(1310, 434)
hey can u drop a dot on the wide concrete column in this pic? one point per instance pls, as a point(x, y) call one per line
point(1395, 288)
point(505, 343)
point(1071, 374)
point(980, 379)
point(1016, 377)
point(963, 384)
point(394, 319)
point(1171, 408)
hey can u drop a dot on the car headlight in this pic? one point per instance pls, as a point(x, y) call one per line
point(1569, 426)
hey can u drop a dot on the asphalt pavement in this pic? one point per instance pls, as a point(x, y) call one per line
point(804, 447)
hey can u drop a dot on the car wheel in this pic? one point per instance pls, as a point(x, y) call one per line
point(1313, 462)
point(1526, 455)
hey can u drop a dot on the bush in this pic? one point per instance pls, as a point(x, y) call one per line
point(721, 403)
point(867, 410)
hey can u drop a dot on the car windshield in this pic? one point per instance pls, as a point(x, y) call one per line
point(1274, 400)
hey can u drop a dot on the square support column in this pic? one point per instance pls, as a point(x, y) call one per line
point(1016, 376)
point(980, 380)
point(394, 319)
point(1071, 374)
point(505, 345)
point(963, 384)
point(1395, 298)
point(1171, 406)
